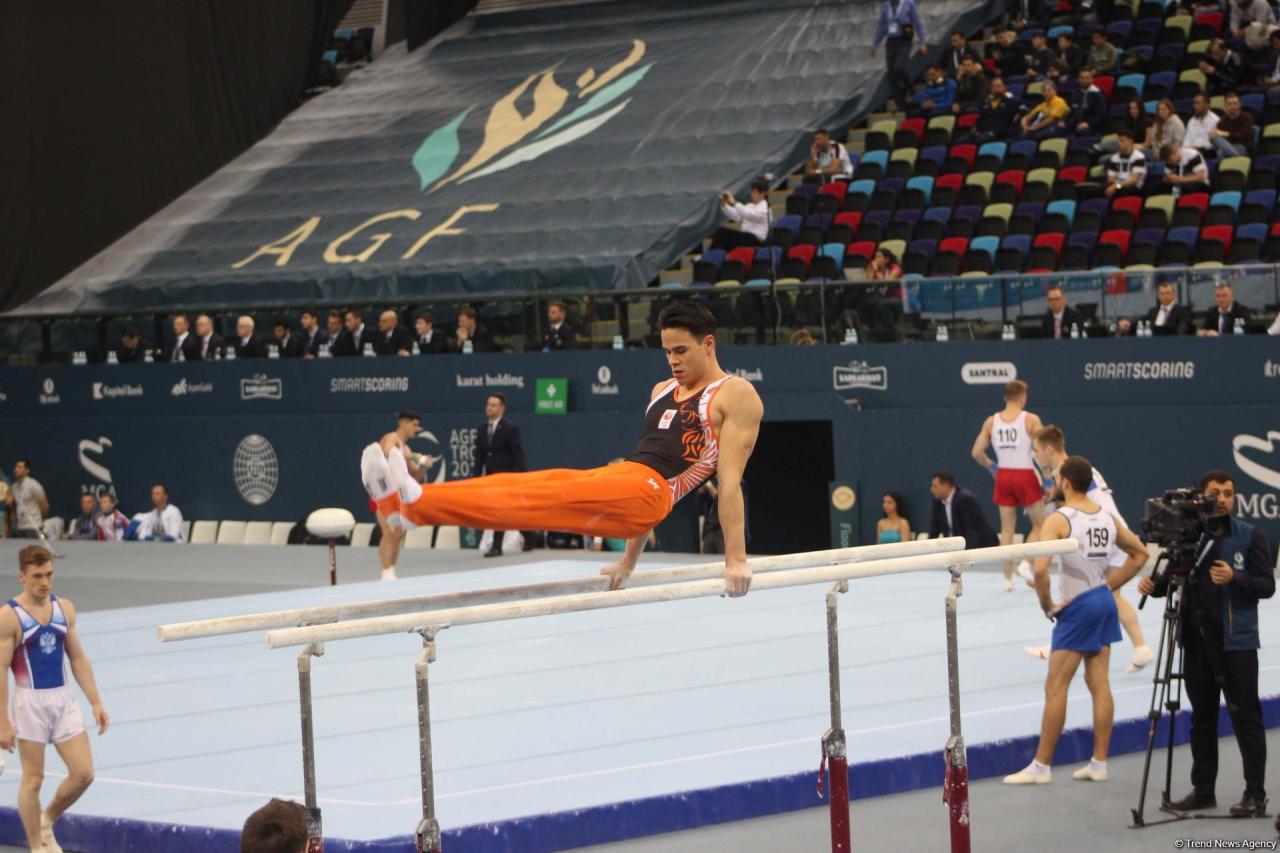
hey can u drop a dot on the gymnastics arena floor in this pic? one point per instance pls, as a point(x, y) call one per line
point(558, 732)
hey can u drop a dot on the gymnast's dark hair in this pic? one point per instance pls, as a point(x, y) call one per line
point(693, 316)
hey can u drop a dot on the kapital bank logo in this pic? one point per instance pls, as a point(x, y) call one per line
point(512, 137)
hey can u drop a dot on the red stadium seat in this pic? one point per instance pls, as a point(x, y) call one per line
point(1211, 19)
point(853, 219)
point(1117, 238)
point(1196, 200)
point(965, 152)
point(955, 245)
point(1052, 239)
point(967, 120)
point(1130, 204)
point(1222, 233)
point(863, 249)
point(837, 189)
point(804, 253)
point(1013, 177)
point(913, 125)
point(1107, 84)
point(743, 254)
point(953, 182)
point(1072, 174)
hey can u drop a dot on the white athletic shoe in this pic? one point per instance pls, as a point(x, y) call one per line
point(1029, 776)
point(1038, 652)
point(1088, 774)
point(46, 835)
point(389, 574)
point(1142, 656)
point(1024, 571)
point(1008, 585)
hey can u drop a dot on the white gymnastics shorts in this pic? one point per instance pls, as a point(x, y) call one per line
point(45, 716)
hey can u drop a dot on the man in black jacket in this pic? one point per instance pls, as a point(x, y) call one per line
point(392, 338)
point(208, 343)
point(997, 114)
point(559, 334)
point(1221, 319)
point(131, 350)
point(956, 512)
point(498, 451)
point(431, 341)
point(1061, 318)
point(1090, 110)
point(184, 346)
point(313, 338)
point(469, 329)
point(1225, 70)
point(359, 334)
point(1219, 636)
point(248, 346)
point(340, 343)
point(287, 343)
point(1168, 317)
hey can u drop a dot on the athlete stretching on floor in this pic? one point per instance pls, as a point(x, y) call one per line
point(700, 422)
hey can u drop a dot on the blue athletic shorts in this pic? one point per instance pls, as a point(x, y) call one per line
point(1088, 623)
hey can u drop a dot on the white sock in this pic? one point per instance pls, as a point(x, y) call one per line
point(389, 574)
point(1098, 766)
point(1036, 768)
point(409, 488)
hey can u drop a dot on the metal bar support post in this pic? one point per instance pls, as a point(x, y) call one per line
point(428, 832)
point(315, 831)
point(834, 749)
point(955, 786)
point(333, 562)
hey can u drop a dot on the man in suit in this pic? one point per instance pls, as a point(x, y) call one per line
point(956, 512)
point(131, 350)
point(288, 344)
point(247, 346)
point(392, 338)
point(470, 329)
point(184, 346)
point(431, 341)
point(955, 55)
point(1221, 319)
point(1167, 317)
point(313, 338)
point(359, 334)
point(498, 451)
point(209, 344)
point(340, 343)
point(1061, 317)
point(559, 334)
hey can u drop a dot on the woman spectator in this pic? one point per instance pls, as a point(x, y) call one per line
point(1167, 129)
point(1135, 121)
point(884, 267)
point(894, 526)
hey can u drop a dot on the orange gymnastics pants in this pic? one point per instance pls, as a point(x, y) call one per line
point(618, 501)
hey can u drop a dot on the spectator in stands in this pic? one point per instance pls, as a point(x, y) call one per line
point(1102, 54)
point(247, 346)
point(1126, 169)
point(1068, 57)
point(1252, 20)
point(1167, 317)
point(1185, 171)
point(1048, 119)
point(1091, 110)
point(1225, 69)
point(1200, 126)
point(288, 344)
point(997, 115)
point(112, 523)
point(754, 216)
point(26, 498)
point(937, 95)
point(339, 339)
point(278, 827)
point(209, 344)
point(1222, 318)
point(314, 339)
point(828, 160)
point(360, 334)
point(972, 87)
point(1233, 136)
point(392, 339)
point(1040, 61)
point(184, 346)
point(1136, 122)
point(1008, 55)
point(883, 266)
point(1167, 130)
point(1061, 318)
point(431, 341)
point(559, 334)
point(131, 350)
point(1271, 78)
point(85, 525)
point(953, 59)
point(470, 329)
point(899, 26)
point(164, 522)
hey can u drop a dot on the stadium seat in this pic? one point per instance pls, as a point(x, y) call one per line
point(1008, 186)
point(896, 247)
point(964, 221)
point(1026, 218)
point(946, 189)
point(1157, 212)
point(902, 163)
point(1078, 252)
point(1250, 243)
point(1258, 206)
point(918, 192)
point(1013, 252)
point(1233, 174)
point(828, 262)
point(909, 133)
point(1190, 210)
point(1020, 155)
point(739, 260)
point(257, 533)
point(1089, 215)
point(904, 223)
point(976, 189)
point(1058, 216)
point(1222, 208)
point(830, 198)
point(1113, 248)
point(941, 215)
point(203, 533)
point(862, 250)
point(1124, 213)
point(1178, 245)
point(231, 533)
point(886, 195)
point(1214, 243)
point(918, 256)
point(798, 261)
point(939, 131)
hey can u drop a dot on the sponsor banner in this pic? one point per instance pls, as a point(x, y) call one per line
point(105, 391)
point(988, 372)
point(860, 374)
point(368, 384)
point(261, 387)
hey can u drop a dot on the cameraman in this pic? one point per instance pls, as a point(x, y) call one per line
point(1219, 638)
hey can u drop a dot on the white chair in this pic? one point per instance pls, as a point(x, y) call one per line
point(231, 532)
point(203, 533)
point(419, 537)
point(449, 537)
point(361, 535)
point(280, 531)
point(257, 533)
point(186, 531)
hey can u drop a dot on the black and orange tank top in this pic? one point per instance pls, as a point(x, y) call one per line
point(679, 441)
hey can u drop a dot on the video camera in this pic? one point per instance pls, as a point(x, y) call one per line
point(1179, 522)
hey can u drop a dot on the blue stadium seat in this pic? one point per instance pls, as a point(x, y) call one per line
point(987, 244)
point(1065, 206)
point(924, 184)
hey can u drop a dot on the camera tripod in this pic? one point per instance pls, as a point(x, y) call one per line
point(1166, 695)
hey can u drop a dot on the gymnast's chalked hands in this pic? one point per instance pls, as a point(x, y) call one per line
point(617, 573)
point(737, 576)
